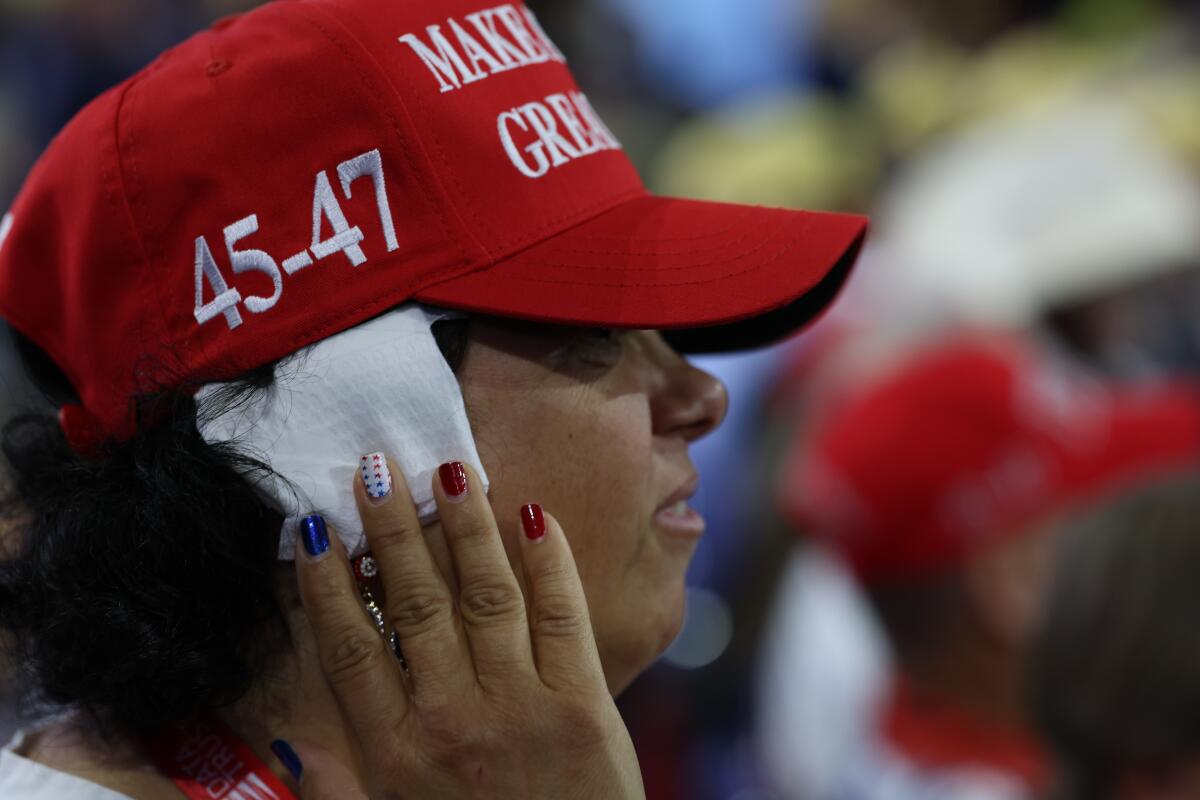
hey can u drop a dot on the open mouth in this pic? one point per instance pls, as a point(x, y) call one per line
point(680, 519)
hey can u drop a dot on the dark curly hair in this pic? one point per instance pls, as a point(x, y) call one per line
point(139, 586)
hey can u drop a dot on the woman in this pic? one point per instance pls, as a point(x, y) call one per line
point(208, 399)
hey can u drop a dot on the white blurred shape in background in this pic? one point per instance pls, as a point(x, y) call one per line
point(823, 668)
point(1014, 218)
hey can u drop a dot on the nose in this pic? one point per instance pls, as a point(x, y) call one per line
point(690, 404)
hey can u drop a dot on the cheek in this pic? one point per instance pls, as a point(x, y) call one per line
point(589, 459)
point(585, 459)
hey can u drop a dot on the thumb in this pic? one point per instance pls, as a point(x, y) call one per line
point(319, 774)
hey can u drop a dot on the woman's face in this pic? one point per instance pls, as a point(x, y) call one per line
point(594, 425)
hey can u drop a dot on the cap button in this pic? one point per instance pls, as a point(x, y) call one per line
point(217, 66)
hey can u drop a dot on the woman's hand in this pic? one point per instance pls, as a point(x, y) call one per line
point(504, 697)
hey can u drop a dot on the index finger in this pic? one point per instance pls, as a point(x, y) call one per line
point(419, 606)
point(361, 671)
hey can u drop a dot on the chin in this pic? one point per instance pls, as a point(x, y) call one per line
point(657, 629)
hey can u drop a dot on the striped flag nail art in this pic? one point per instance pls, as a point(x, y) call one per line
point(376, 478)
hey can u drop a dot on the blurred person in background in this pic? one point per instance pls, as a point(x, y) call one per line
point(1074, 216)
point(942, 484)
point(1116, 661)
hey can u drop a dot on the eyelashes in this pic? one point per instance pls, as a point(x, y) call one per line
point(597, 335)
point(596, 347)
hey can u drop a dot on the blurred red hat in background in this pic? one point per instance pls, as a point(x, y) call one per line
point(969, 442)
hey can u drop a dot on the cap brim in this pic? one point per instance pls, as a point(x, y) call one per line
point(715, 276)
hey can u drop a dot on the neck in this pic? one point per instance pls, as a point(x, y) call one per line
point(975, 675)
point(938, 733)
point(293, 703)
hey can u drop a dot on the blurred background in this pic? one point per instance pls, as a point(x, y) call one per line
point(1031, 168)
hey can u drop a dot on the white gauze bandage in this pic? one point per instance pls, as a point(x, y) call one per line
point(382, 386)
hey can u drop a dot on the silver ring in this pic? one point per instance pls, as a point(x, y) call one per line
point(376, 613)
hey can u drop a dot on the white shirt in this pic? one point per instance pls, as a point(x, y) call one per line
point(23, 779)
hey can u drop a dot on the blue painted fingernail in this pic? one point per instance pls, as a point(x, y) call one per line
point(315, 535)
point(287, 756)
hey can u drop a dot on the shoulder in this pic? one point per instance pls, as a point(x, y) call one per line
point(64, 760)
point(23, 778)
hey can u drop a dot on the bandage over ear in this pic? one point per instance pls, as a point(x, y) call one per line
point(382, 386)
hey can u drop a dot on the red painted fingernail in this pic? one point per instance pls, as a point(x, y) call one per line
point(454, 479)
point(533, 522)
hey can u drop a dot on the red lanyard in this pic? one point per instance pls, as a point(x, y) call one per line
point(207, 761)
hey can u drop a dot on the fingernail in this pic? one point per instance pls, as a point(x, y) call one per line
point(287, 756)
point(454, 479)
point(376, 477)
point(315, 535)
point(533, 522)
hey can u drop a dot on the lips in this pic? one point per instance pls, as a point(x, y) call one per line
point(675, 517)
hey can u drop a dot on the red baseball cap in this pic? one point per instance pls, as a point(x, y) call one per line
point(299, 169)
point(969, 442)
